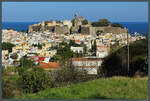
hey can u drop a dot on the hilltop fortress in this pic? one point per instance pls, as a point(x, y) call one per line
point(77, 25)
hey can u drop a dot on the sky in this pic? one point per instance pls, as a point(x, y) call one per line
point(92, 11)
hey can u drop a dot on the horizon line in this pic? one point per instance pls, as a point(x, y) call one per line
point(70, 20)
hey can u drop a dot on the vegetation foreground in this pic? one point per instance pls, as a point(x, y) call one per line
point(103, 88)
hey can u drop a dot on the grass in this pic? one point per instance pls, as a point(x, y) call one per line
point(104, 88)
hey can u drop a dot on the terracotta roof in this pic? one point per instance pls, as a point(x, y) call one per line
point(84, 34)
point(49, 65)
point(99, 48)
point(77, 40)
point(85, 59)
point(18, 40)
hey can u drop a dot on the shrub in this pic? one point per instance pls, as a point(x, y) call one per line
point(101, 23)
point(69, 75)
point(139, 66)
point(14, 56)
point(116, 25)
point(104, 22)
point(34, 80)
point(85, 22)
point(9, 89)
point(7, 46)
point(56, 58)
point(114, 65)
point(24, 65)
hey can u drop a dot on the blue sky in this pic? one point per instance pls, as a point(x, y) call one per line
point(92, 11)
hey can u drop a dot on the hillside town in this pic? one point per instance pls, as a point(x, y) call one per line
point(38, 43)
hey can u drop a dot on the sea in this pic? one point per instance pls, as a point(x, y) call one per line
point(140, 27)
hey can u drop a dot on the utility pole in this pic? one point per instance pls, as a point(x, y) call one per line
point(128, 50)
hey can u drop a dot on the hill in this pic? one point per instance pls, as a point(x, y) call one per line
point(104, 88)
point(116, 64)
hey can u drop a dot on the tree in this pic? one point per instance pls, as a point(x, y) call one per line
point(95, 24)
point(112, 65)
point(36, 28)
point(84, 49)
point(14, 56)
point(11, 29)
point(104, 22)
point(116, 25)
point(56, 58)
point(101, 23)
point(23, 31)
point(65, 52)
point(85, 22)
point(72, 43)
point(35, 80)
point(24, 65)
point(38, 45)
point(7, 46)
point(94, 48)
point(70, 74)
point(99, 32)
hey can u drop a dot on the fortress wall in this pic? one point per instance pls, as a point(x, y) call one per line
point(61, 29)
point(115, 30)
point(85, 30)
point(50, 28)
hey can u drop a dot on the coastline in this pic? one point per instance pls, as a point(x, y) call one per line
point(140, 27)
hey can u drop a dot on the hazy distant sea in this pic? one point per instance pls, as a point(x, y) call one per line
point(140, 27)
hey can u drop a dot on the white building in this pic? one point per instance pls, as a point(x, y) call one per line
point(68, 23)
point(77, 49)
point(91, 65)
point(102, 51)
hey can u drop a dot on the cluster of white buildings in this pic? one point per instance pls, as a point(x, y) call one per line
point(26, 45)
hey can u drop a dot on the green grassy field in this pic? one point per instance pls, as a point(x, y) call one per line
point(110, 88)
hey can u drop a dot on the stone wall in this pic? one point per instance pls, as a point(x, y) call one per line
point(61, 30)
point(30, 29)
point(85, 30)
point(115, 30)
point(92, 30)
point(50, 28)
point(75, 29)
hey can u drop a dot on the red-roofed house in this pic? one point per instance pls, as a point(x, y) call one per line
point(49, 65)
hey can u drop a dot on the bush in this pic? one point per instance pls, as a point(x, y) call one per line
point(9, 89)
point(116, 25)
point(101, 23)
point(114, 65)
point(14, 56)
point(24, 31)
point(35, 80)
point(64, 51)
point(56, 58)
point(139, 66)
point(24, 65)
point(85, 22)
point(104, 22)
point(69, 75)
point(7, 46)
